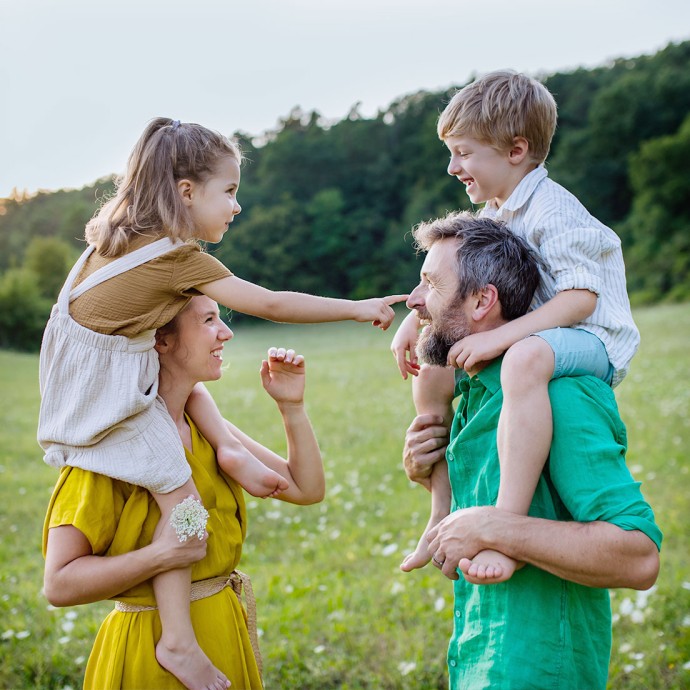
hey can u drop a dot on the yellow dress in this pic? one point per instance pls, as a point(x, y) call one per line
point(117, 518)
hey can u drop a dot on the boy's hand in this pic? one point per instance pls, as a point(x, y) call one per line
point(404, 343)
point(378, 310)
point(283, 375)
point(475, 348)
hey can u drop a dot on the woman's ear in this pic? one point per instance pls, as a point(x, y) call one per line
point(162, 344)
point(185, 189)
point(520, 150)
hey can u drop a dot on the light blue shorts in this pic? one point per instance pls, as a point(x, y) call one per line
point(577, 353)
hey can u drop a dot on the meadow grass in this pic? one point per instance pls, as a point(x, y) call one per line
point(334, 609)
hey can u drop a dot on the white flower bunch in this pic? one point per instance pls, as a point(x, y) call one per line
point(189, 518)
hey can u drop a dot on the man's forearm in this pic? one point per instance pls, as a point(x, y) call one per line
point(596, 554)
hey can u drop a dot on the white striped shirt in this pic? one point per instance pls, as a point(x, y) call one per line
point(580, 253)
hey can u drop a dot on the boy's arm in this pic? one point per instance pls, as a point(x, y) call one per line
point(298, 307)
point(565, 309)
point(404, 344)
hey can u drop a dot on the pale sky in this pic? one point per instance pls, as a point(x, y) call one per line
point(80, 78)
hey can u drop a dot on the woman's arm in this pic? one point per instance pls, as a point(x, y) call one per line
point(74, 575)
point(283, 377)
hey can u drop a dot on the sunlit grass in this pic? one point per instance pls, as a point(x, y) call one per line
point(334, 609)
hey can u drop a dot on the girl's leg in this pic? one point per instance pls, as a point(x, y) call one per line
point(525, 429)
point(440, 507)
point(177, 650)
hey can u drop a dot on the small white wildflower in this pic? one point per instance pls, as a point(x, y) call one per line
point(289, 589)
point(260, 632)
point(686, 666)
point(80, 660)
point(319, 649)
point(67, 626)
point(71, 615)
point(397, 587)
point(686, 622)
point(626, 607)
point(389, 549)
point(22, 635)
point(64, 639)
point(439, 604)
point(686, 585)
point(21, 491)
point(335, 534)
point(625, 648)
point(7, 635)
point(628, 668)
point(406, 667)
point(189, 518)
point(637, 616)
point(637, 655)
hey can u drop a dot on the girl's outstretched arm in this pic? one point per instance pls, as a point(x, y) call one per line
point(298, 307)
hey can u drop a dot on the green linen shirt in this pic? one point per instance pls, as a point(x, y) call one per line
point(537, 630)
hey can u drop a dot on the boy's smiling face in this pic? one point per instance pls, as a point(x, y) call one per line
point(486, 172)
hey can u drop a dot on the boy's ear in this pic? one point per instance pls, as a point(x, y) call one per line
point(185, 188)
point(520, 150)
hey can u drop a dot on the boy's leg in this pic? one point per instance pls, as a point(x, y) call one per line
point(177, 650)
point(432, 392)
point(440, 507)
point(525, 429)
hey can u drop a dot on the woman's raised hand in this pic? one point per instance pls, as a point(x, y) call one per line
point(283, 375)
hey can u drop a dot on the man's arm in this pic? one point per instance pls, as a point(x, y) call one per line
point(595, 554)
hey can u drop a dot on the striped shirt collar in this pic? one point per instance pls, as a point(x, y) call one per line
point(521, 193)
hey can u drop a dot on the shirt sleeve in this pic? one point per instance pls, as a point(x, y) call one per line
point(573, 254)
point(193, 268)
point(587, 460)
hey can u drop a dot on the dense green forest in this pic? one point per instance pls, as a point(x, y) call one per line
point(328, 205)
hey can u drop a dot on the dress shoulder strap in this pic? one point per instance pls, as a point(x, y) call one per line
point(125, 263)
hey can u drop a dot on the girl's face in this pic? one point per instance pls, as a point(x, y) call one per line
point(213, 205)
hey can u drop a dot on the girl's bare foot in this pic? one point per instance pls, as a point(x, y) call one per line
point(191, 667)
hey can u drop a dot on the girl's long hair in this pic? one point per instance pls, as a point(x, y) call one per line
point(146, 200)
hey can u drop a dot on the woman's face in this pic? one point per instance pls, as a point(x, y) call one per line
point(196, 348)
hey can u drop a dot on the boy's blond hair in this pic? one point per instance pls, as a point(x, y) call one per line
point(500, 106)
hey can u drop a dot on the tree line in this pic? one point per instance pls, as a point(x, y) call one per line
point(328, 206)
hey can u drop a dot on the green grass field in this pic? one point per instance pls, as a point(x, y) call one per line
point(334, 609)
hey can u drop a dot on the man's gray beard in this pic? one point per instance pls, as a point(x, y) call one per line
point(434, 344)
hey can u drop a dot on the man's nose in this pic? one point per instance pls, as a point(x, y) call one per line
point(416, 298)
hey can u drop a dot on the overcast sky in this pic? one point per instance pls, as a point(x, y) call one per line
point(80, 78)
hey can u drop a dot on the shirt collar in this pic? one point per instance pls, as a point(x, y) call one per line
point(522, 192)
point(489, 377)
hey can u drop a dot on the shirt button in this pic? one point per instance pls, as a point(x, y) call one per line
point(458, 614)
point(453, 662)
point(450, 457)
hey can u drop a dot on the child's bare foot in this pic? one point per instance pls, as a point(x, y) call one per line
point(419, 557)
point(191, 667)
point(251, 474)
point(488, 568)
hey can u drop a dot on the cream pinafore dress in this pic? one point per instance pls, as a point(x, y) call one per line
point(100, 409)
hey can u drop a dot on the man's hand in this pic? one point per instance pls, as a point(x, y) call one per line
point(475, 348)
point(426, 440)
point(462, 534)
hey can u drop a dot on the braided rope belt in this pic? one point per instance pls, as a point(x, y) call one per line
point(202, 589)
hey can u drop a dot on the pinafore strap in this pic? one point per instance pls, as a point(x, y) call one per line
point(114, 268)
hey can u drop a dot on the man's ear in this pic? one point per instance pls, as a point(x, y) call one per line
point(484, 302)
point(520, 150)
point(185, 188)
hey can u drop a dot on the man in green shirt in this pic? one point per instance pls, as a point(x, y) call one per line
point(589, 528)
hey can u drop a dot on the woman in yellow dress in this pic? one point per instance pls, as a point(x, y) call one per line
point(102, 539)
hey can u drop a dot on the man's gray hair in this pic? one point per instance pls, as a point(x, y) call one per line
point(488, 254)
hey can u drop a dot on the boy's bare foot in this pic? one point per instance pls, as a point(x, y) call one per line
point(251, 474)
point(191, 667)
point(419, 557)
point(488, 568)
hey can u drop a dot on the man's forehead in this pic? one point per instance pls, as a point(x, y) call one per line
point(441, 257)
